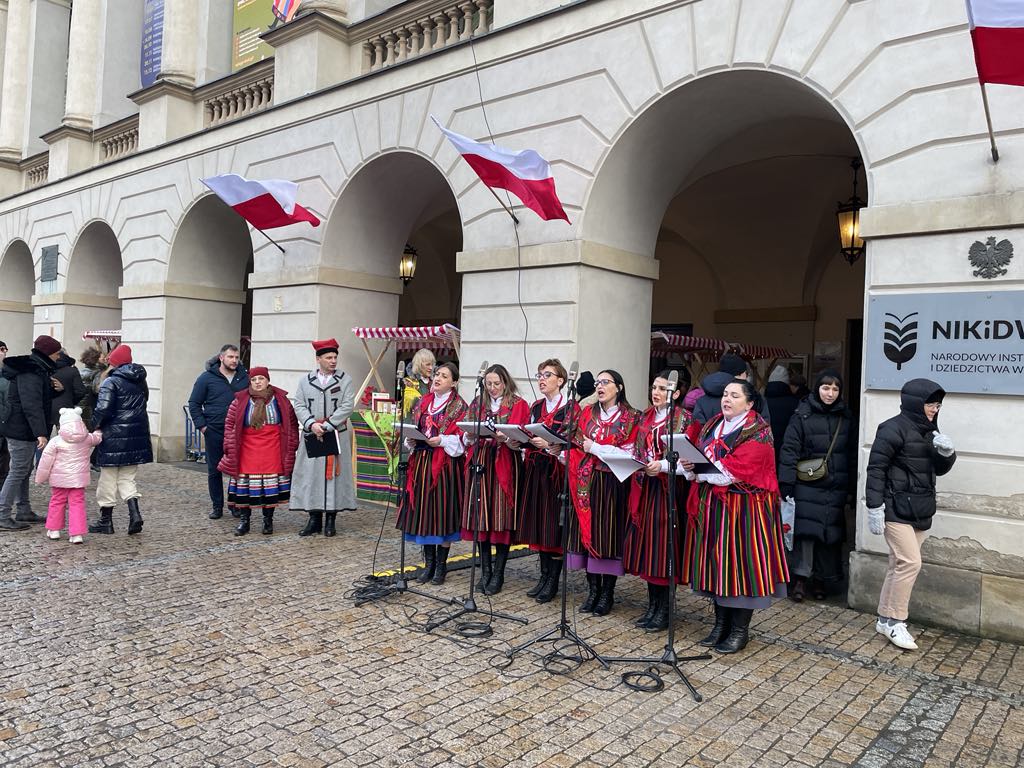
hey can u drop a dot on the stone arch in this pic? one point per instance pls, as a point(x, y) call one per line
point(95, 274)
point(17, 284)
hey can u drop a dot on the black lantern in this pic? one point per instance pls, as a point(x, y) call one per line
point(407, 266)
point(848, 216)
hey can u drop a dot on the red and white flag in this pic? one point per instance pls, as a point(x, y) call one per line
point(264, 204)
point(997, 31)
point(525, 174)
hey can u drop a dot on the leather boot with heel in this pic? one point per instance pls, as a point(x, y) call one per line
point(720, 629)
point(605, 601)
point(268, 521)
point(441, 568)
point(547, 594)
point(593, 592)
point(134, 517)
point(645, 618)
point(313, 525)
point(106, 522)
point(497, 581)
point(329, 520)
point(486, 565)
point(243, 526)
point(739, 634)
point(429, 562)
point(659, 619)
point(545, 564)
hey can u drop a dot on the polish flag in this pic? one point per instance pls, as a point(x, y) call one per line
point(264, 204)
point(525, 174)
point(997, 30)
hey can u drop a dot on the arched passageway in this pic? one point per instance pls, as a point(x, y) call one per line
point(17, 284)
point(95, 275)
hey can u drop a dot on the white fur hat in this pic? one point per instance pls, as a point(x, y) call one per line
point(70, 415)
point(780, 373)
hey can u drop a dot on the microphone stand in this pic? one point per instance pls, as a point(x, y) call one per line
point(400, 585)
point(476, 471)
point(670, 658)
point(563, 630)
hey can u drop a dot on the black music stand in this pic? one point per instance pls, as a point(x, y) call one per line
point(670, 658)
point(562, 630)
point(476, 471)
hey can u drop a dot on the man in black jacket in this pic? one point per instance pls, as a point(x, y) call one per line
point(28, 426)
point(208, 406)
point(730, 366)
point(71, 388)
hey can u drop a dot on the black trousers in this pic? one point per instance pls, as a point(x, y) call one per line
point(214, 453)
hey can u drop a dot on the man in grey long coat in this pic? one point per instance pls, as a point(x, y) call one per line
point(324, 400)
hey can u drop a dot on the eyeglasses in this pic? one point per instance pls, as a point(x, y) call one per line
point(933, 406)
point(603, 382)
point(545, 375)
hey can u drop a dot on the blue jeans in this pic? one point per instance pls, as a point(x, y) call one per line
point(14, 492)
point(214, 453)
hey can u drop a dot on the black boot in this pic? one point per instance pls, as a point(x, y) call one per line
point(605, 601)
point(739, 634)
point(652, 606)
point(721, 628)
point(106, 522)
point(441, 568)
point(486, 565)
point(243, 527)
point(216, 514)
point(313, 525)
point(545, 564)
point(429, 560)
point(550, 589)
point(593, 592)
point(497, 582)
point(659, 619)
point(134, 517)
point(329, 519)
point(268, 521)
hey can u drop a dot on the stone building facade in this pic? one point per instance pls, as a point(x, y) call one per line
point(699, 147)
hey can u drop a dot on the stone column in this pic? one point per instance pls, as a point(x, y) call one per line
point(3, 36)
point(83, 64)
point(179, 52)
point(15, 82)
point(336, 9)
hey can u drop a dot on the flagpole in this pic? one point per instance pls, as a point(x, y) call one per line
point(507, 209)
point(272, 240)
point(988, 120)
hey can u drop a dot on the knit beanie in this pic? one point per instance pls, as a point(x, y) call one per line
point(259, 370)
point(121, 355)
point(732, 363)
point(46, 344)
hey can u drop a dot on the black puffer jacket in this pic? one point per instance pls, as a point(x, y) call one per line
point(819, 505)
point(903, 458)
point(29, 395)
point(120, 414)
point(710, 404)
point(74, 388)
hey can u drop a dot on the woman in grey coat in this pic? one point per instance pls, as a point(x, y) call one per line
point(323, 400)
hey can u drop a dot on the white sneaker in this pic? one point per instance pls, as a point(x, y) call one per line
point(882, 627)
point(52, 534)
point(900, 637)
point(81, 540)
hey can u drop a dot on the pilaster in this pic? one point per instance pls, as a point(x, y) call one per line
point(310, 53)
point(179, 51)
point(83, 65)
point(166, 111)
point(15, 86)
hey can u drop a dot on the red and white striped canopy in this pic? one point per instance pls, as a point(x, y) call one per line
point(662, 343)
point(438, 338)
point(102, 335)
point(760, 352)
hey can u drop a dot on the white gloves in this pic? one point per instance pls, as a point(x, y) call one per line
point(876, 520)
point(943, 444)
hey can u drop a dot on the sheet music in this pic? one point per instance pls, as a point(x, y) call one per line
point(411, 432)
point(539, 430)
point(621, 466)
point(486, 430)
point(513, 432)
point(689, 452)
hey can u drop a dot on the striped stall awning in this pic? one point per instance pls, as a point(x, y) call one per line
point(106, 335)
point(663, 343)
point(406, 338)
point(760, 352)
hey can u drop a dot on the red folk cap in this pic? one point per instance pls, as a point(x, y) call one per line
point(324, 346)
point(259, 370)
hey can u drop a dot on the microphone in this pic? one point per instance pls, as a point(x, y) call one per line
point(673, 382)
point(574, 370)
point(483, 369)
point(400, 371)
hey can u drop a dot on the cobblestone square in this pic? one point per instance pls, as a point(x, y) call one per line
point(186, 645)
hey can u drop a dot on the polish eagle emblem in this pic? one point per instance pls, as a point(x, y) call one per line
point(990, 258)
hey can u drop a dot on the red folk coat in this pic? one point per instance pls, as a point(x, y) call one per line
point(519, 414)
point(234, 427)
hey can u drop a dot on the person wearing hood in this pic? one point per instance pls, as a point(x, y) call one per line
point(821, 428)
point(730, 366)
point(212, 395)
point(27, 427)
point(782, 404)
point(65, 466)
point(908, 453)
point(120, 415)
point(69, 388)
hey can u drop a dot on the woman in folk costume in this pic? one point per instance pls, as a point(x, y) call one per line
point(734, 552)
point(544, 478)
point(645, 552)
point(498, 516)
point(597, 530)
point(435, 488)
point(261, 436)
point(324, 400)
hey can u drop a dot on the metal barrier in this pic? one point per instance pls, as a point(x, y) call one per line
point(195, 448)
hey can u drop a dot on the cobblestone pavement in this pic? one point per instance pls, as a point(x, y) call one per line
point(188, 646)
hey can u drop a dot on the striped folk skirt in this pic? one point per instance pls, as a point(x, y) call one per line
point(254, 491)
point(609, 509)
point(543, 480)
point(498, 517)
point(645, 550)
point(734, 547)
point(431, 515)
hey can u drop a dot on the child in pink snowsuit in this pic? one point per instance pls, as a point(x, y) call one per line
point(65, 464)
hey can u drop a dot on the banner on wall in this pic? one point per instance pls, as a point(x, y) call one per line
point(152, 41)
point(969, 342)
point(251, 19)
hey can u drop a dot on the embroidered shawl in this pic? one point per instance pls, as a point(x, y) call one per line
point(432, 425)
point(515, 413)
point(648, 447)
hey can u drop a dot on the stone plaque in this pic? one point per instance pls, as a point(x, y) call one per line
point(48, 264)
point(966, 341)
